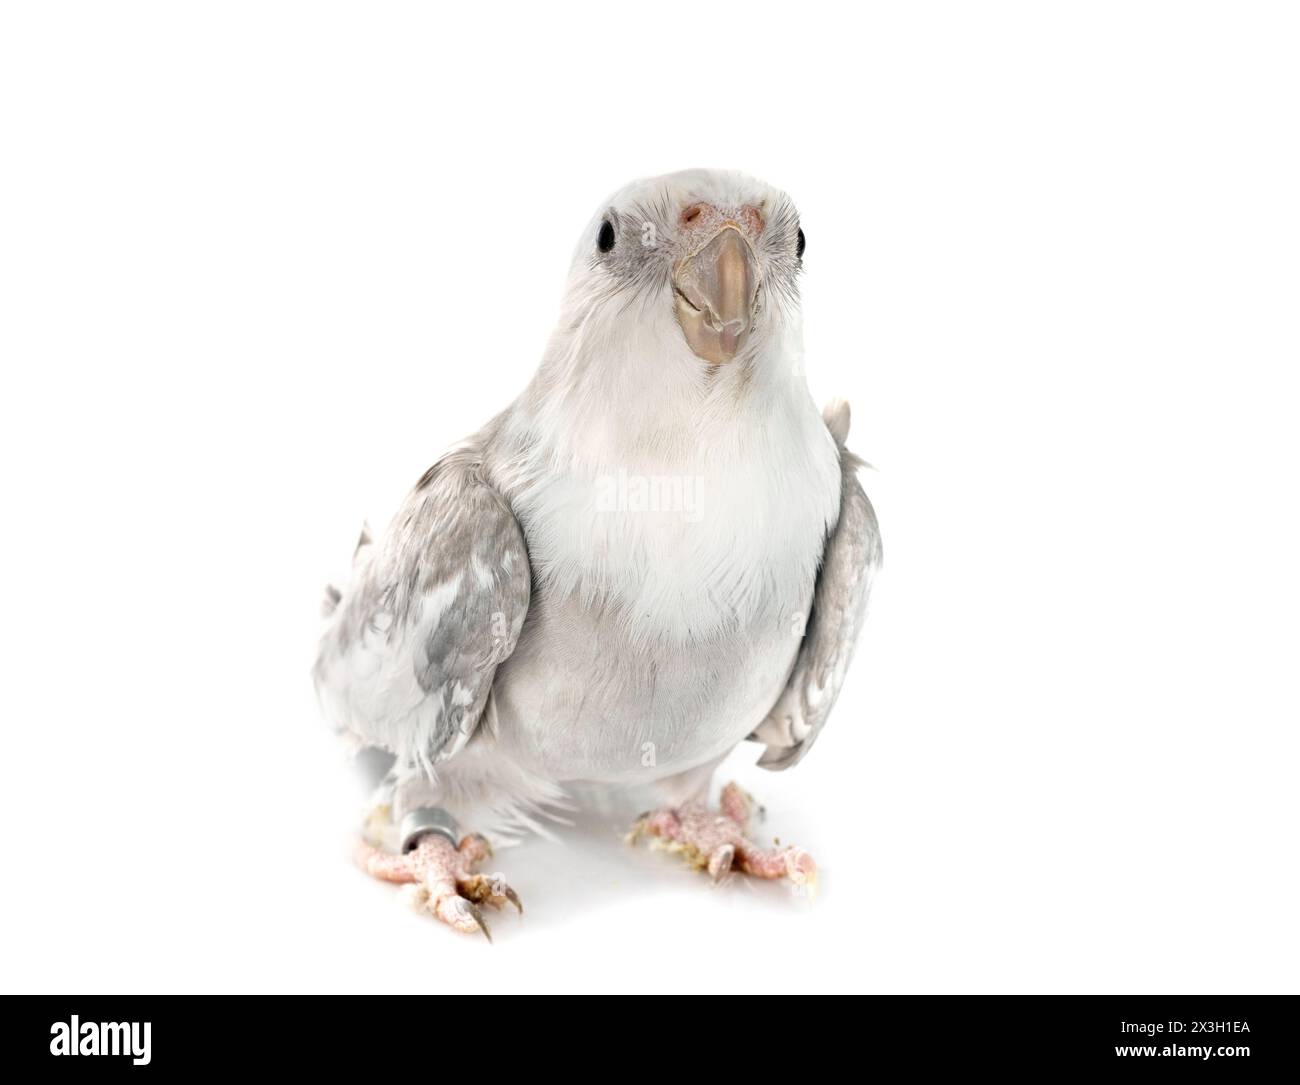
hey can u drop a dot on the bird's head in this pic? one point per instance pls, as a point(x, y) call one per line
point(699, 266)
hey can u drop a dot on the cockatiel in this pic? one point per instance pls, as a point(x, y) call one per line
point(659, 550)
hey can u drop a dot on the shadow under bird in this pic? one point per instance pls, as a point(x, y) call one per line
point(658, 551)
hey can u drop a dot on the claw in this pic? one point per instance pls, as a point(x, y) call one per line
point(513, 898)
point(720, 862)
point(469, 909)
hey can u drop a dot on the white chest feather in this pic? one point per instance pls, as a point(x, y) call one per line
point(670, 585)
point(684, 556)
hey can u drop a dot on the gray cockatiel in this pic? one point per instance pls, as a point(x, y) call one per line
point(658, 551)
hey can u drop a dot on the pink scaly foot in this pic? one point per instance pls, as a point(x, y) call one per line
point(715, 841)
point(442, 875)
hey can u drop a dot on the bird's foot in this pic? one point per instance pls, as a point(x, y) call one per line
point(714, 841)
point(441, 881)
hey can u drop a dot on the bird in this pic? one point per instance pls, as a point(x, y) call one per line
point(661, 549)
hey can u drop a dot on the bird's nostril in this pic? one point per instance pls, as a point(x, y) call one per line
point(692, 213)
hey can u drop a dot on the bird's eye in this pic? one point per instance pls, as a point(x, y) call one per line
point(605, 239)
point(799, 244)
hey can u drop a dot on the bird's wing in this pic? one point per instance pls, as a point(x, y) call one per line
point(839, 606)
point(407, 659)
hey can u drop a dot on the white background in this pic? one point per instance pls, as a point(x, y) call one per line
point(261, 262)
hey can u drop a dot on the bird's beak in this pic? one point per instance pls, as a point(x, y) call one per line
point(714, 291)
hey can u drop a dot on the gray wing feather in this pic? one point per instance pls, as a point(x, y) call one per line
point(408, 658)
point(839, 608)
